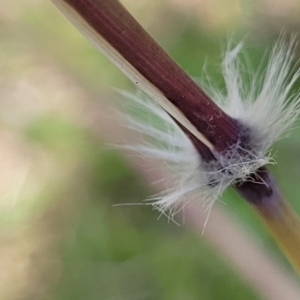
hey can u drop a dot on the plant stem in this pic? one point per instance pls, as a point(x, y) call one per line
point(284, 228)
point(113, 31)
point(110, 27)
point(281, 221)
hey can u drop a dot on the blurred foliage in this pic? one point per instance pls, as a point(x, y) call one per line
point(104, 251)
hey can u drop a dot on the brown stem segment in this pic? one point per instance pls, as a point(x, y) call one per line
point(279, 218)
point(113, 22)
point(284, 227)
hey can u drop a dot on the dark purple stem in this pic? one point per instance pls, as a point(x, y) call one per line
point(113, 22)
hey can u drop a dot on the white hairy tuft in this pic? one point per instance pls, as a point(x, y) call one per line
point(266, 109)
point(267, 105)
point(166, 141)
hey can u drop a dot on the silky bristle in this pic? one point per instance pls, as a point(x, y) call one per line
point(265, 110)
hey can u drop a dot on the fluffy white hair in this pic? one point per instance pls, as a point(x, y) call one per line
point(267, 108)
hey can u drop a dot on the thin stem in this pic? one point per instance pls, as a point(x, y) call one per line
point(284, 227)
point(281, 221)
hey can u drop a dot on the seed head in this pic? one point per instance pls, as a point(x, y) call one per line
point(262, 111)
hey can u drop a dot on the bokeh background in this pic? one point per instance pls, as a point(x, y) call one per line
point(61, 235)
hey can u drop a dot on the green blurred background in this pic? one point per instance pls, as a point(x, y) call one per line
point(61, 235)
